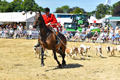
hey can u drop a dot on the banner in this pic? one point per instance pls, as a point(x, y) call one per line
point(107, 2)
point(35, 34)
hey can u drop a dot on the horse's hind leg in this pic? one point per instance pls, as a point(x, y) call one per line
point(55, 57)
point(42, 55)
point(62, 53)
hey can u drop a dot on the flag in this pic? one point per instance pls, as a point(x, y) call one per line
point(107, 2)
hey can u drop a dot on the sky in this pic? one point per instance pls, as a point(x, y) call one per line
point(87, 5)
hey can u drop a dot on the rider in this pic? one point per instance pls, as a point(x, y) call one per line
point(50, 21)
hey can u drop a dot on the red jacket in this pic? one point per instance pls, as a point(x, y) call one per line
point(51, 18)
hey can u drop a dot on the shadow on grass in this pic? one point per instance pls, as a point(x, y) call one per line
point(68, 66)
point(72, 66)
point(82, 59)
point(115, 56)
point(104, 57)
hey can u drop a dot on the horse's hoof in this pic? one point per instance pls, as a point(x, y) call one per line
point(64, 64)
point(42, 65)
point(60, 66)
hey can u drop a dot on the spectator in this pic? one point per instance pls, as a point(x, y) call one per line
point(83, 28)
point(116, 35)
point(7, 26)
point(11, 33)
point(0, 32)
point(95, 36)
point(18, 26)
point(106, 36)
point(24, 32)
point(91, 26)
point(21, 31)
point(77, 35)
point(88, 32)
point(119, 35)
point(83, 36)
point(14, 27)
point(29, 34)
point(21, 25)
point(7, 32)
point(63, 30)
point(95, 26)
point(101, 36)
point(17, 33)
point(111, 33)
point(3, 32)
point(31, 26)
point(113, 38)
point(102, 29)
point(10, 26)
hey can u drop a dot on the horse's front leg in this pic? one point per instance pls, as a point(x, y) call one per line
point(42, 55)
point(55, 57)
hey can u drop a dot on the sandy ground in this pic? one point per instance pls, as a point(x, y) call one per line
point(18, 62)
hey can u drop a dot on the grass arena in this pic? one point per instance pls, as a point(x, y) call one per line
point(18, 62)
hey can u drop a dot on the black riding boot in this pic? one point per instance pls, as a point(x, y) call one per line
point(38, 45)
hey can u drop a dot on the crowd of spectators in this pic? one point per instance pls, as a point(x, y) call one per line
point(16, 31)
point(105, 34)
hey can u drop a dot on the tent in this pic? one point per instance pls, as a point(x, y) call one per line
point(17, 17)
point(94, 20)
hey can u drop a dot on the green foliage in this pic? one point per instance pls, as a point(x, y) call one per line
point(62, 9)
point(102, 10)
point(29, 5)
point(78, 10)
point(41, 9)
point(65, 8)
point(91, 13)
point(116, 9)
point(16, 5)
point(19, 5)
point(4, 6)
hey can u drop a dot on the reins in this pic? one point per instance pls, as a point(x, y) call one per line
point(56, 35)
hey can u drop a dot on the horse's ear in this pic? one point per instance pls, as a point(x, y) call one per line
point(39, 11)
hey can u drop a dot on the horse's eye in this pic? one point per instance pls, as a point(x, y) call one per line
point(39, 18)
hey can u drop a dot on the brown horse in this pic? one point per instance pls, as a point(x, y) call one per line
point(47, 40)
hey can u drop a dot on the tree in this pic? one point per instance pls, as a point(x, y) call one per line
point(63, 8)
point(91, 13)
point(41, 9)
point(70, 10)
point(78, 10)
point(4, 6)
point(116, 9)
point(59, 11)
point(16, 5)
point(74, 9)
point(29, 5)
point(102, 10)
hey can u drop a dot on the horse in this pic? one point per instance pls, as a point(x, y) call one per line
point(47, 40)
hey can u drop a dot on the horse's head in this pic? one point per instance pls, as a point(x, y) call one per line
point(37, 19)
